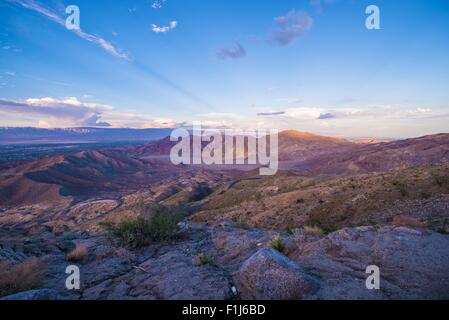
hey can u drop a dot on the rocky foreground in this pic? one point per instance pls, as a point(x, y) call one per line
point(228, 262)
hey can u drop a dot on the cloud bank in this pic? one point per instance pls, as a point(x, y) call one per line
point(71, 112)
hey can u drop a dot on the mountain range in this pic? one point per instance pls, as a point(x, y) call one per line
point(334, 207)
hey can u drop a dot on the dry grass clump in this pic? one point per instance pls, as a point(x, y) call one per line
point(23, 276)
point(78, 254)
point(313, 230)
point(407, 221)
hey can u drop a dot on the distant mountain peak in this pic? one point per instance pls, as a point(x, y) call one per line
point(295, 134)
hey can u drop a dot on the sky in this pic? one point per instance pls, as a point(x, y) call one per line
point(309, 65)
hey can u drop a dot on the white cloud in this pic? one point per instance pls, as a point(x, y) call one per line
point(163, 29)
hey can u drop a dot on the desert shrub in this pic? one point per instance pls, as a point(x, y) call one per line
point(445, 227)
point(441, 181)
point(205, 259)
point(403, 191)
point(133, 233)
point(70, 236)
point(243, 225)
point(67, 245)
point(78, 254)
point(202, 259)
point(277, 244)
point(425, 195)
point(313, 230)
point(326, 222)
point(201, 191)
point(164, 224)
point(23, 276)
point(401, 187)
point(139, 232)
point(300, 201)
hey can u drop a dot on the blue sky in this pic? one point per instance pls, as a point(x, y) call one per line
point(307, 64)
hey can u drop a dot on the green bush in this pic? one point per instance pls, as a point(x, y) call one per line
point(139, 232)
point(133, 233)
point(70, 236)
point(164, 225)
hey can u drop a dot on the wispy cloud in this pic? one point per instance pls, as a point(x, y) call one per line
point(290, 27)
point(163, 29)
point(157, 4)
point(55, 17)
point(384, 112)
point(290, 101)
point(319, 4)
point(327, 115)
point(71, 112)
point(9, 47)
point(378, 112)
point(235, 52)
point(276, 113)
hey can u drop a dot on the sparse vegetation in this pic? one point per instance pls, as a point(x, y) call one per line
point(23, 276)
point(78, 254)
point(139, 232)
point(277, 244)
point(401, 187)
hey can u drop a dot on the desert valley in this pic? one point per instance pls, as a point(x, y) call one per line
point(139, 227)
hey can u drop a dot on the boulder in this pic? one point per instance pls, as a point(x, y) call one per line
point(269, 275)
